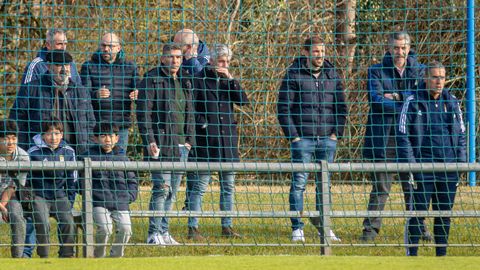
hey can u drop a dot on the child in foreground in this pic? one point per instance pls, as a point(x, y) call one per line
point(113, 191)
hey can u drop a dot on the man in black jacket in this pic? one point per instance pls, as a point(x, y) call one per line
point(111, 81)
point(312, 113)
point(166, 122)
point(216, 91)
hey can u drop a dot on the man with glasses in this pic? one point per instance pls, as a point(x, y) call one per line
point(111, 81)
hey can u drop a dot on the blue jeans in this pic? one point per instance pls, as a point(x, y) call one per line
point(199, 186)
point(123, 141)
point(30, 238)
point(307, 151)
point(164, 194)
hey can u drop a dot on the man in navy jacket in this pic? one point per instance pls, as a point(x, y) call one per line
point(112, 81)
point(431, 130)
point(312, 113)
point(389, 83)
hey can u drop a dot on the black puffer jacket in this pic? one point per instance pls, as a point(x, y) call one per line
point(120, 78)
point(113, 190)
point(309, 107)
point(156, 114)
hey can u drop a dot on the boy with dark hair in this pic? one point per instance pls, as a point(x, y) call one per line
point(51, 189)
point(10, 184)
point(113, 191)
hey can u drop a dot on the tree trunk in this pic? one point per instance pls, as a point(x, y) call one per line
point(345, 37)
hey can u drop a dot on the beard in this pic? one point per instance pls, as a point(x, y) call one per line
point(61, 79)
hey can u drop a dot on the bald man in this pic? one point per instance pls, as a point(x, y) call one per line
point(111, 80)
point(195, 52)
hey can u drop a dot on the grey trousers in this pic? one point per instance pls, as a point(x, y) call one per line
point(18, 227)
point(104, 220)
point(60, 209)
point(381, 186)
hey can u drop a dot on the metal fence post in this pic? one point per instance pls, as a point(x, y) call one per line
point(87, 211)
point(324, 191)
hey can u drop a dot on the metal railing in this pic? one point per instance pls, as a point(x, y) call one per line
point(323, 168)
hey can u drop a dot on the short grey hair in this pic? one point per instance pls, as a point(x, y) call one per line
point(221, 50)
point(51, 34)
point(433, 65)
point(401, 35)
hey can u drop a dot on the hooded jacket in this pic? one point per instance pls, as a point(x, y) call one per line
point(156, 117)
point(34, 105)
point(383, 113)
point(38, 67)
point(52, 185)
point(113, 190)
point(120, 78)
point(307, 106)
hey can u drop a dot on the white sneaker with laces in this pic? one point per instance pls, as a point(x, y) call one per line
point(298, 236)
point(155, 239)
point(168, 239)
point(332, 236)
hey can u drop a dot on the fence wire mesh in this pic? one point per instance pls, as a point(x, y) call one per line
point(246, 96)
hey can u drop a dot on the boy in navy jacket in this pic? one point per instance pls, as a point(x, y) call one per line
point(113, 191)
point(54, 191)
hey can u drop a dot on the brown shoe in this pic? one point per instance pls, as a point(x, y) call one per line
point(228, 232)
point(194, 234)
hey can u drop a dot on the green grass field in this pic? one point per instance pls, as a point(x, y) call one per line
point(276, 232)
point(248, 262)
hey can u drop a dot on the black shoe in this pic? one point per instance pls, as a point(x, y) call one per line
point(368, 235)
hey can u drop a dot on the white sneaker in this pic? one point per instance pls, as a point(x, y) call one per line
point(155, 239)
point(298, 236)
point(168, 239)
point(332, 236)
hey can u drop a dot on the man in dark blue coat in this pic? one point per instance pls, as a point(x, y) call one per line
point(112, 82)
point(431, 130)
point(195, 52)
point(55, 95)
point(216, 91)
point(312, 113)
point(389, 83)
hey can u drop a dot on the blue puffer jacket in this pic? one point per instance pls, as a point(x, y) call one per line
point(384, 112)
point(52, 185)
point(38, 67)
point(121, 77)
point(34, 105)
point(309, 107)
point(113, 190)
point(415, 121)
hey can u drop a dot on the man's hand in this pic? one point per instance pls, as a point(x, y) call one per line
point(4, 212)
point(153, 150)
point(133, 95)
point(103, 92)
point(223, 72)
point(389, 96)
point(188, 146)
point(190, 52)
point(297, 139)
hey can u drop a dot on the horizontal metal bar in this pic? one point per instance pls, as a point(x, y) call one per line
point(239, 166)
point(287, 214)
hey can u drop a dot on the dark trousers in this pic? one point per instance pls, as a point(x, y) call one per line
point(381, 186)
point(441, 192)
